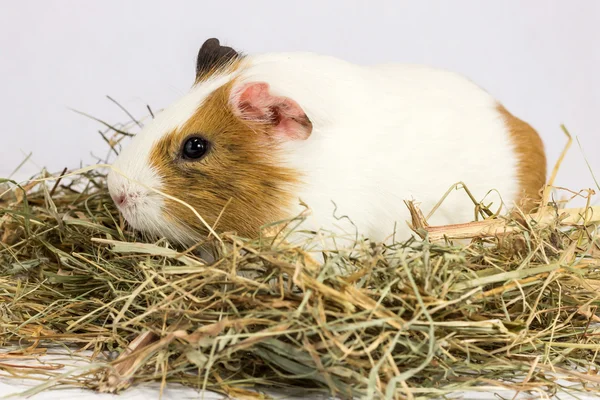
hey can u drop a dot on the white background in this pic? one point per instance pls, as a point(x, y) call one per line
point(540, 58)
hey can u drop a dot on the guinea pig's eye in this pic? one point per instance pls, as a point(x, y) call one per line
point(194, 148)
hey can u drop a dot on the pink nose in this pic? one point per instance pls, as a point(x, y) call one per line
point(120, 199)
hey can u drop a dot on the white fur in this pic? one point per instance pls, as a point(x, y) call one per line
point(389, 133)
point(381, 135)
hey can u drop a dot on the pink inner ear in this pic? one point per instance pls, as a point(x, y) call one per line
point(254, 102)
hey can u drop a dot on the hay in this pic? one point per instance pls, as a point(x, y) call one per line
point(516, 308)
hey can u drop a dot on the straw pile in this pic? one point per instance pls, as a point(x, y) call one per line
point(515, 308)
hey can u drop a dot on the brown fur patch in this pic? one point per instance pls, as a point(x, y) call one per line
point(531, 169)
point(241, 166)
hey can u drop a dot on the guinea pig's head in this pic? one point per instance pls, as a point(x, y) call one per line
point(216, 150)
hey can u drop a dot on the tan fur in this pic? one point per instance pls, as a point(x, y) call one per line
point(531, 169)
point(241, 166)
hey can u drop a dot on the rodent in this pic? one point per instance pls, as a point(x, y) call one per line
point(257, 135)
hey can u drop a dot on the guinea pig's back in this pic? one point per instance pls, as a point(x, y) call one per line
point(454, 112)
point(419, 131)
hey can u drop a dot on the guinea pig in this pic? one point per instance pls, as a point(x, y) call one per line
point(260, 137)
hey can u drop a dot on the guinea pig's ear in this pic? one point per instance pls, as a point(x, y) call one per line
point(254, 102)
point(213, 56)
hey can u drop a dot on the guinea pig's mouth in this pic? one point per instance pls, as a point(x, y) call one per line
point(141, 211)
point(146, 213)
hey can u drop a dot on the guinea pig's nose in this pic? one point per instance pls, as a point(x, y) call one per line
point(120, 199)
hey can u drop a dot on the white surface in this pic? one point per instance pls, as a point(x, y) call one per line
point(145, 392)
point(77, 363)
point(10, 387)
point(540, 58)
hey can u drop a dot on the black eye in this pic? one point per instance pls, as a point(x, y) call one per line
point(194, 148)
